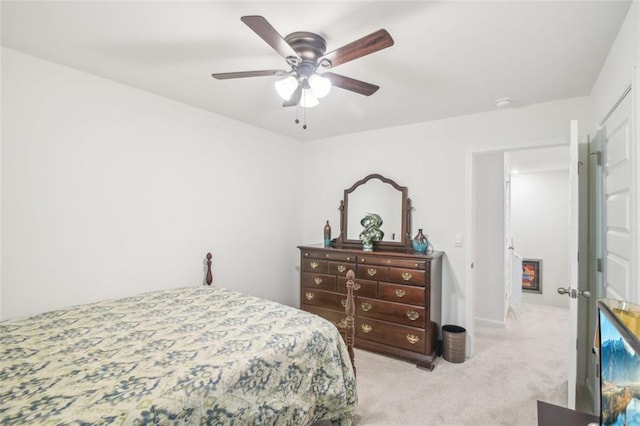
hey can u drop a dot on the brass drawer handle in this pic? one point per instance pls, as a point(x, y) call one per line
point(317, 280)
point(342, 268)
point(400, 292)
point(366, 307)
point(343, 302)
point(356, 286)
point(413, 339)
point(366, 328)
point(309, 296)
point(314, 265)
point(372, 272)
point(406, 276)
point(413, 315)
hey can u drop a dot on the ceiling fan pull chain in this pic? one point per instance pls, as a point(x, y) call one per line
point(297, 121)
point(304, 118)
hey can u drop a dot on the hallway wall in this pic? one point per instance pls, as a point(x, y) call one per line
point(540, 229)
point(489, 262)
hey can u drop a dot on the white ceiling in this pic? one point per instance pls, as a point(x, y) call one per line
point(450, 58)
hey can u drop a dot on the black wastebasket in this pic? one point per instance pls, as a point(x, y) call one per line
point(453, 343)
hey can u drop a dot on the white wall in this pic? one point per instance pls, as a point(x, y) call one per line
point(489, 238)
point(1, 119)
point(540, 229)
point(95, 175)
point(110, 191)
point(432, 159)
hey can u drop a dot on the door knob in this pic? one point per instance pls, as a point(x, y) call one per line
point(574, 293)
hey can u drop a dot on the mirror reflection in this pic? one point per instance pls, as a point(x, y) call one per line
point(380, 198)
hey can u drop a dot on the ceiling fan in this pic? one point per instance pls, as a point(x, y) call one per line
point(305, 53)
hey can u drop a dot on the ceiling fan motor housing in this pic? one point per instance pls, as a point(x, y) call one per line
point(308, 46)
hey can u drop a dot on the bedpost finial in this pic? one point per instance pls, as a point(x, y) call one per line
point(209, 279)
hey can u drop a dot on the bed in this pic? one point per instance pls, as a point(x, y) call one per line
point(193, 355)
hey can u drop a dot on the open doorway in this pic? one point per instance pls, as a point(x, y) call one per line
point(532, 203)
point(538, 230)
point(521, 209)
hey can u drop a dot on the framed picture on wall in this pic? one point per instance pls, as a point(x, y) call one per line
point(532, 275)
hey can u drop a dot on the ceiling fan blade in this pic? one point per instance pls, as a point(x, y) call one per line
point(351, 84)
point(243, 74)
point(295, 97)
point(364, 46)
point(263, 28)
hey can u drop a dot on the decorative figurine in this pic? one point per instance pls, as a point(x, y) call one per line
point(372, 232)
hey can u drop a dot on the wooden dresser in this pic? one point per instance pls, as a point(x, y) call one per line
point(398, 297)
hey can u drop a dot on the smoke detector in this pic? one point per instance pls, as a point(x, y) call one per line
point(503, 103)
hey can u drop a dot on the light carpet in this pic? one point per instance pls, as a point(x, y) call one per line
point(511, 369)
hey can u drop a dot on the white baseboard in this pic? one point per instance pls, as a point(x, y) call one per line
point(483, 322)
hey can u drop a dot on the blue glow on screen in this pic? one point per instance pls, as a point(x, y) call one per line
point(620, 377)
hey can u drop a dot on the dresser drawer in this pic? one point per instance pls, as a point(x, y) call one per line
point(328, 255)
point(412, 295)
point(318, 281)
point(315, 265)
point(324, 299)
point(400, 336)
point(373, 272)
point(336, 317)
point(391, 311)
point(360, 287)
point(392, 261)
point(407, 276)
point(341, 268)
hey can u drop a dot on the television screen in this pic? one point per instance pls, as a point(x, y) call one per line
point(619, 348)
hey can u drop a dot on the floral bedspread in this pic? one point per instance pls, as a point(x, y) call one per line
point(197, 355)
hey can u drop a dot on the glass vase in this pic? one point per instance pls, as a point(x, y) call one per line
point(420, 242)
point(327, 235)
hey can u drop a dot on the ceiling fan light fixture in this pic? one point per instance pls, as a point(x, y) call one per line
point(307, 99)
point(320, 86)
point(286, 87)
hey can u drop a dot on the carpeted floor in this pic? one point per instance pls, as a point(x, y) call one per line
point(512, 368)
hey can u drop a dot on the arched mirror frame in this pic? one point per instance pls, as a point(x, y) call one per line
point(405, 235)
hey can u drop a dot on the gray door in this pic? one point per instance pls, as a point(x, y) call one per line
point(611, 246)
point(618, 204)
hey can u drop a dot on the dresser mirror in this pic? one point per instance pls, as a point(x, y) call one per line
point(382, 196)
